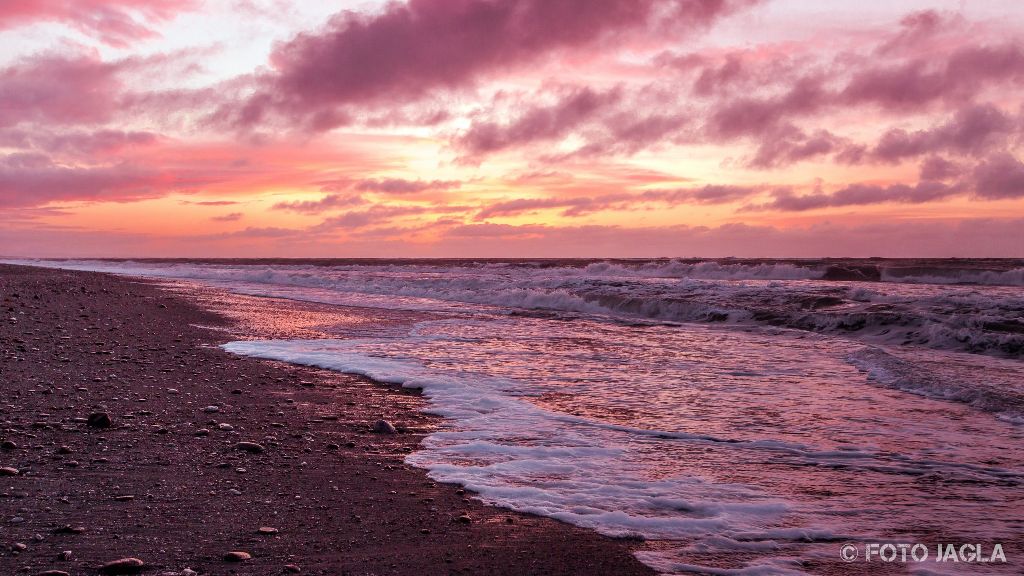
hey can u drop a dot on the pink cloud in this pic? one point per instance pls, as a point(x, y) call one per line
point(746, 116)
point(938, 168)
point(402, 186)
point(1001, 176)
point(329, 202)
point(955, 77)
point(790, 145)
point(78, 144)
point(388, 186)
point(538, 122)
point(230, 217)
point(862, 195)
point(377, 215)
point(778, 101)
point(973, 130)
point(211, 202)
point(59, 90)
point(114, 22)
point(583, 205)
point(410, 49)
point(28, 179)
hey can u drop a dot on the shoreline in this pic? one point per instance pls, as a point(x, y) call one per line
point(170, 484)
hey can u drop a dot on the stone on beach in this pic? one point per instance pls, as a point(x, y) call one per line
point(122, 566)
point(8, 471)
point(384, 427)
point(237, 556)
point(250, 447)
point(211, 409)
point(99, 420)
point(266, 530)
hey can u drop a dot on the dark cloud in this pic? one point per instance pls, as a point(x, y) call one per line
point(1000, 177)
point(973, 130)
point(861, 195)
point(401, 186)
point(57, 90)
point(329, 202)
point(538, 122)
point(410, 49)
point(581, 206)
point(34, 180)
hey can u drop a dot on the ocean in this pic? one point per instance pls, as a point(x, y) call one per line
point(736, 416)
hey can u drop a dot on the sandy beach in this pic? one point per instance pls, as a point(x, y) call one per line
point(127, 433)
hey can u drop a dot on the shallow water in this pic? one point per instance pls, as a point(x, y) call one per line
point(744, 422)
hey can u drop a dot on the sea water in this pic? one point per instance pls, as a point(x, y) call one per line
point(738, 417)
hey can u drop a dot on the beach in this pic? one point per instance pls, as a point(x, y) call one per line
point(207, 453)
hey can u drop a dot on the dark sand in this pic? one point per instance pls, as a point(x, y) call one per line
point(339, 496)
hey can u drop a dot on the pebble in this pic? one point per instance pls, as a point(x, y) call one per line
point(98, 420)
point(464, 519)
point(8, 471)
point(225, 427)
point(53, 573)
point(19, 547)
point(202, 432)
point(267, 530)
point(8, 445)
point(383, 427)
point(64, 450)
point(122, 566)
point(237, 556)
point(292, 568)
point(211, 409)
point(64, 556)
point(250, 447)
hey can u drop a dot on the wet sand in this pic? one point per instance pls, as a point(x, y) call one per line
point(204, 448)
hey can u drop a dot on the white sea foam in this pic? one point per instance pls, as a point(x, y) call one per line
point(523, 457)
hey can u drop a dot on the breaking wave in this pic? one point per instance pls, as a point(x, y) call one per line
point(979, 317)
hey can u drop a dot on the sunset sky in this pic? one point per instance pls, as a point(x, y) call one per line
point(507, 128)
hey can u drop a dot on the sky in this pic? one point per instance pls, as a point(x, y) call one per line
point(511, 128)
